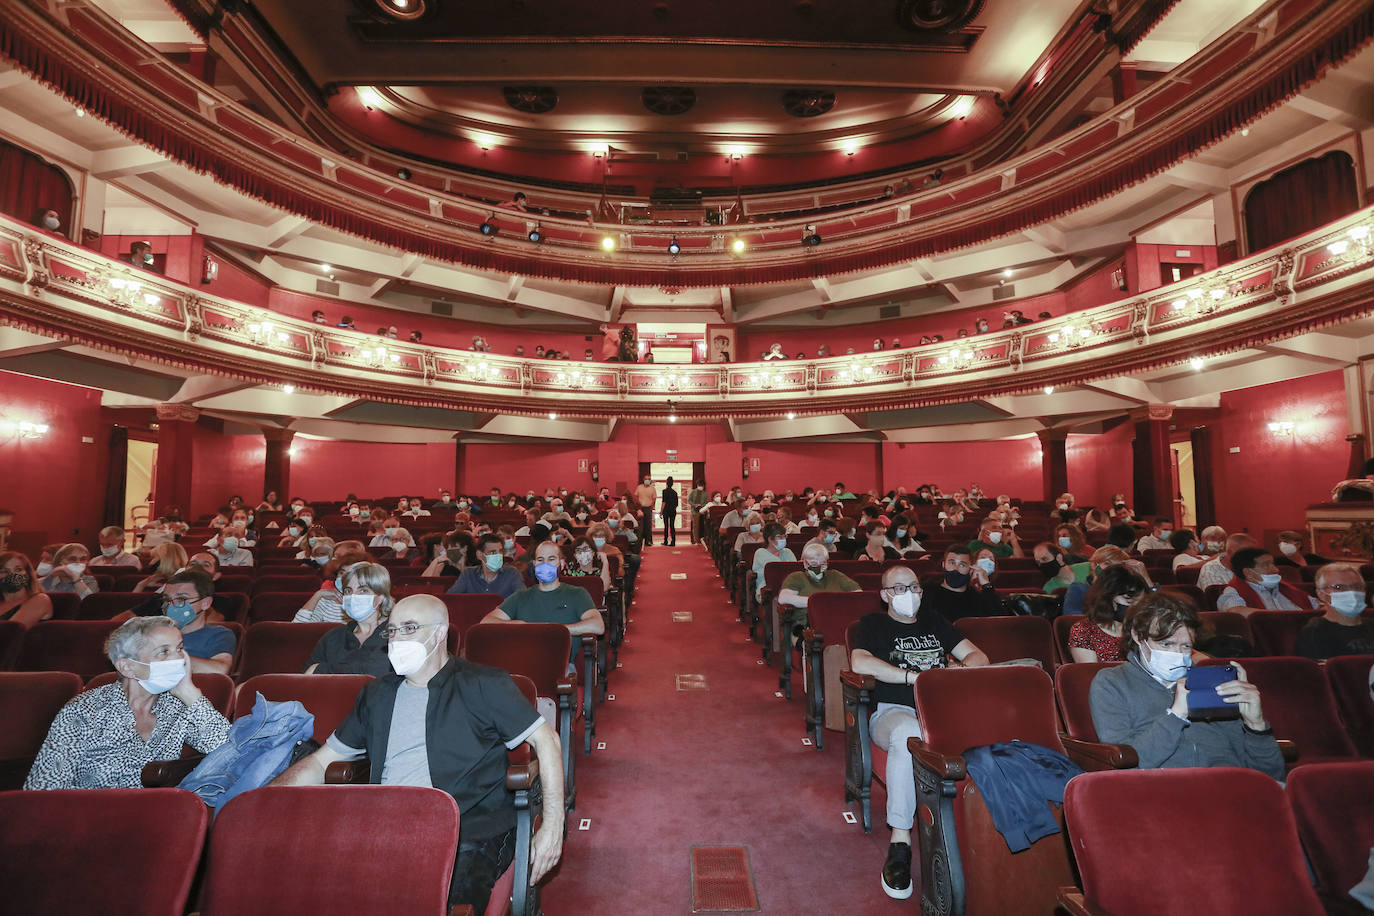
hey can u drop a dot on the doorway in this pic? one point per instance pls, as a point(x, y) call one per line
point(1185, 484)
point(139, 473)
point(681, 472)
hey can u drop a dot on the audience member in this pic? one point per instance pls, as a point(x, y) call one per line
point(1217, 571)
point(69, 564)
point(326, 604)
point(359, 645)
point(551, 601)
point(112, 552)
point(1053, 563)
point(1159, 540)
point(1291, 553)
point(588, 561)
point(228, 551)
point(964, 589)
point(815, 576)
point(1342, 629)
point(895, 648)
point(492, 576)
point(1189, 550)
point(1001, 540)
point(187, 599)
point(645, 497)
point(141, 255)
point(1144, 702)
point(875, 546)
point(21, 596)
point(458, 719)
point(774, 550)
point(1097, 637)
point(1256, 585)
point(104, 737)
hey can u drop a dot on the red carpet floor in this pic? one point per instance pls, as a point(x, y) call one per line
point(725, 766)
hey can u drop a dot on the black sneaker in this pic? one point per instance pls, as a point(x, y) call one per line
point(897, 871)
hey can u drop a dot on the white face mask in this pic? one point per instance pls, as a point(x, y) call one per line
point(1167, 665)
point(76, 569)
point(906, 605)
point(163, 675)
point(42, 569)
point(994, 537)
point(359, 607)
point(229, 545)
point(1270, 580)
point(1288, 548)
point(109, 551)
point(408, 656)
point(51, 222)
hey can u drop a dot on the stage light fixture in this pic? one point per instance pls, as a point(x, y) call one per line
point(536, 235)
point(674, 247)
point(489, 226)
point(810, 236)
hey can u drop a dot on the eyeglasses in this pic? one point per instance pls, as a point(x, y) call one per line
point(1345, 587)
point(902, 589)
point(406, 629)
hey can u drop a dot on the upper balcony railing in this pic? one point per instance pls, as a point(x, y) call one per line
point(1234, 80)
point(55, 288)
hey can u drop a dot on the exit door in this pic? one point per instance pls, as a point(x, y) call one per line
point(681, 472)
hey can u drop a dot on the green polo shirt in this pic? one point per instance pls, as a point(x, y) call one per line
point(1001, 551)
point(1081, 572)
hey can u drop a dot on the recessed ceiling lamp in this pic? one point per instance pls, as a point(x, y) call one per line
point(1049, 389)
point(325, 268)
point(962, 107)
point(791, 415)
point(850, 147)
point(674, 247)
point(288, 389)
point(369, 97)
point(552, 415)
point(1196, 363)
point(536, 235)
point(402, 9)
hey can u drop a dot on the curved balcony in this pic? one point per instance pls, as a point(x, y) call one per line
point(1232, 82)
point(51, 287)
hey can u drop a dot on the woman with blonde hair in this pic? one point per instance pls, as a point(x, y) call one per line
point(21, 594)
point(169, 557)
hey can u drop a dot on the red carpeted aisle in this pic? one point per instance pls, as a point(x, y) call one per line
point(723, 766)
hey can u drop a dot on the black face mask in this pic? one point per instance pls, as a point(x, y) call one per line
point(1119, 611)
point(1050, 569)
point(956, 579)
point(15, 582)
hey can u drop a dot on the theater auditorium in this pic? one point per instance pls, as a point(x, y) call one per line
point(673, 457)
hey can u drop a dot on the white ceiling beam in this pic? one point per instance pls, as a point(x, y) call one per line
point(14, 342)
point(125, 161)
point(800, 428)
point(287, 229)
point(1340, 98)
point(1328, 349)
point(543, 428)
point(200, 387)
point(1049, 238)
point(1128, 389)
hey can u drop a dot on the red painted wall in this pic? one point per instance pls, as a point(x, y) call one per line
point(175, 251)
point(796, 465)
point(1100, 465)
point(521, 467)
point(54, 485)
point(323, 469)
point(1269, 483)
point(1010, 466)
point(1142, 262)
point(225, 466)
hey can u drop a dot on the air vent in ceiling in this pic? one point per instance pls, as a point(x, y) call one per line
point(807, 103)
point(890, 311)
point(1008, 291)
point(937, 15)
point(437, 307)
point(531, 99)
point(669, 100)
point(326, 287)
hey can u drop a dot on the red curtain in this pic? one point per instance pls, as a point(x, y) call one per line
point(28, 186)
point(1299, 199)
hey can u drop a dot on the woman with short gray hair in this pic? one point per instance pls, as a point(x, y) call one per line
point(103, 738)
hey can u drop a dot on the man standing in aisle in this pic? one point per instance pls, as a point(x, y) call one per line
point(669, 513)
point(696, 499)
point(646, 496)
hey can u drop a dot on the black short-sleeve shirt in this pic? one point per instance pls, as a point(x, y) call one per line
point(473, 715)
point(340, 652)
point(916, 646)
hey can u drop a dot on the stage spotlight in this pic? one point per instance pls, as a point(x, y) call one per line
point(536, 235)
point(810, 236)
point(674, 247)
point(489, 226)
point(737, 246)
point(608, 243)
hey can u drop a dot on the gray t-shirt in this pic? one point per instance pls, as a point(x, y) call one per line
point(407, 760)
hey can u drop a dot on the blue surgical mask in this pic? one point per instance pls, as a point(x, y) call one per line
point(1348, 604)
point(1270, 580)
point(987, 565)
point(613, 523)
point(755, 529)
point(1066, 543)
point(599, 542)
point(494, 561)
point(180, 613)
point(546, 572)
point(1169, 666)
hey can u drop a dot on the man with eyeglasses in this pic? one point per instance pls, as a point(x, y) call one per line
point(444, 722)
point(894, 648)
point(1342, 629)
point(964, 589)
point(187, 599)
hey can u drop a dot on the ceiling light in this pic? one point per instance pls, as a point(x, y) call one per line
point(325, 268)
point(608, 243)
point(850, 147)
point(400, 4)
point(81, 112)
point(1196, 363)
point(403, 174)
point(485, 141)
point(674, 247)
point(791, 415)
point(489, 226)
point(1049, 389)
point(552, 415)
point(672, 418)
point(288, 389)
point(369, 97)
point(1006, 272)
point(1245, 131)
point(962, 107)
point(810, 236)
point(737, 246)
point(536, 235)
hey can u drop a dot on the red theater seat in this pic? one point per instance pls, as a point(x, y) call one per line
point(105, 605)
point(11, 635)
point(384, 850)
point(218, 688)
point(29, 700)
point(1334, 807)
point(280, 606)
point(103, 850)
point(828, 616)
point(1297, 701)
point(274, 647)
point(64, 605)
point(1348, 676)
point(1071, 685)
point(327, 697)
point(1135, 860)
point(1005, 639)
point(66, 645)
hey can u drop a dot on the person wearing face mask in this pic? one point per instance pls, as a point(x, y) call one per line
point(774, 550)
point(49, 220)
point(735, 517)
point(1097, 636)
point(696, 505)
point(228, 551)
point(1342, 629)
point(1064, 508)
point(794, 594)
point(69, 563)
point(1213, 540)
point(21, 597)
point(270, 502)
point(588, 561)
point(1159, 539)
point(1054, 566)
point(1290, 552)
point(187, 599)
point(168, 559)
point(901, 536)
point(358, 646)
point(319, 552)
point(894, 648)
point(492, 575)
point(842, 493)
point(1257, 586)
point(551, 601)
point(141, 255)
point(417, 508)
point(752, 533)
point(112, 552)
point(392, 533)
point(1000, 540)
point(326, 604)
point(1144, 702)
point(986, 560)
point(645, 498)
point(964, 589)
point(439, 720)
point(1189, 549)
point(104, 737)
point(293, 535)
point(813, 518)
point(875, 545)
point(1068, 538)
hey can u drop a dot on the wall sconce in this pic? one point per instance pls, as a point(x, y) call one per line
point(573, 378)
point(24, 429)
point(1357, 245)
point(766, 379)
point(958, 359)
point(1281, 428)
point(1070, 335)
point(265, 333)
point(856, 372)
point(477, 370)
point(378, 357)
point(672, 381)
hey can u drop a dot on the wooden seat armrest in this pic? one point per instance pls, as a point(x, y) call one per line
point(460, 909)
point(945, 766)
point(859, 681)
point(164, 774)
point(566, 685)
point(348, 772)
point(589, 644)
point(1289, 750)
point(1072, 901)
point(1096, 755)
point(522, 776)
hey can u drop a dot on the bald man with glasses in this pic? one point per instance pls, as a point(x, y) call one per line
point(894, 648)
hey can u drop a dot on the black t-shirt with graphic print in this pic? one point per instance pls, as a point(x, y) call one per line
point(916, 646)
